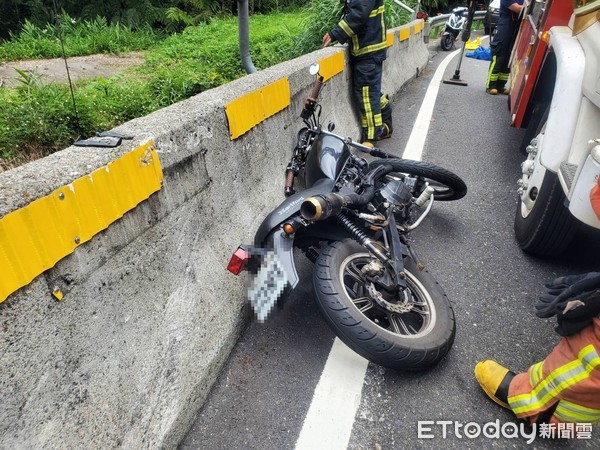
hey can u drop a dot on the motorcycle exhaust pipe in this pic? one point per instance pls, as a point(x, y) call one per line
point(321, 207)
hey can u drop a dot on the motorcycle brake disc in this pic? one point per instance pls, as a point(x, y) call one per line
point(399, 308)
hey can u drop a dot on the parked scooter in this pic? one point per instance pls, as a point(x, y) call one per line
point(453, 27)
point(352, 220)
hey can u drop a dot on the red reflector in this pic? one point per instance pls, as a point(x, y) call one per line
point(419, 15)
point(238, 261)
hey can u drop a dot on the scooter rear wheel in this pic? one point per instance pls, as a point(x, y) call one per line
point(447, 41)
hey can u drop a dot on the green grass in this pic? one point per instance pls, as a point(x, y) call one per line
point(79, 37)
point(38, 119)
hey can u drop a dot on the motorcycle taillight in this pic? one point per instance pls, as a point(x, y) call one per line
point(238, 261)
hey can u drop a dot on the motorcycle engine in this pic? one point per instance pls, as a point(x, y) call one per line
point(399, 195)
point(396, 193)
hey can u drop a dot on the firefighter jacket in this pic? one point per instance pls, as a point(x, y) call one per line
point(363, 26)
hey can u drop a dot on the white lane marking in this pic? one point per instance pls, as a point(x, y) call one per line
point(329, 420)
point(328, 423)
point(416, 141)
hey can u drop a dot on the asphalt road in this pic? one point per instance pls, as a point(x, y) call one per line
point(265, 390)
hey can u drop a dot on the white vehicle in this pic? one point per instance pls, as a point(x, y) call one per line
point(555, 93)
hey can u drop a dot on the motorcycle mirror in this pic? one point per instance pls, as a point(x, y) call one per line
point(330, 126)
point(314, 69)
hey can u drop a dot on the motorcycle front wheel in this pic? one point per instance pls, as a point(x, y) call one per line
point(447, 41)
point(448, 186)
point(416, 338)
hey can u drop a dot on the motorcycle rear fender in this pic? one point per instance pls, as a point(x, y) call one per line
point(289, 208)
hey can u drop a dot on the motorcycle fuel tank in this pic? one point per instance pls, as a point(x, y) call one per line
point(326, 158)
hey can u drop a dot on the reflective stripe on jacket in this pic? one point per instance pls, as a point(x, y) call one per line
point(567, 380)
point(363, 25)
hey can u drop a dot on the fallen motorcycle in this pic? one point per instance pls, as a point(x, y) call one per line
point(352, 220)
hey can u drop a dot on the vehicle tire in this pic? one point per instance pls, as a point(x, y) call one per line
point(447, 41)
point(411, 340)
point(448, 186)
point(548, 227)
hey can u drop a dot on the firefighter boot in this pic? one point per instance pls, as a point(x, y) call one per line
point(382, 132)
point(494, 380)
point(386, 117)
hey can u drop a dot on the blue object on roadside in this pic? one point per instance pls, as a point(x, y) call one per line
point(481, 52)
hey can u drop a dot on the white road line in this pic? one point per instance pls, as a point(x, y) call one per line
point(416, 141)
point(329, 420)
point(328, 423)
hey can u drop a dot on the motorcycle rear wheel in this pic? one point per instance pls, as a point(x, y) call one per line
point(411, 340)
point(448, 186)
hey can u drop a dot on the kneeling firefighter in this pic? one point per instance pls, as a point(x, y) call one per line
point(564, 387)
point(363, 25)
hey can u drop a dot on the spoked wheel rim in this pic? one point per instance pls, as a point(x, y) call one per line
point(415, 323)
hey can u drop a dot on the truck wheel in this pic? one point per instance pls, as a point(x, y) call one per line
point(546, 228)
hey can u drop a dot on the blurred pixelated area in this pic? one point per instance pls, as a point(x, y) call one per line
point(267, 286)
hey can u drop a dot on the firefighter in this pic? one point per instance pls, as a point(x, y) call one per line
point(363, 26)
point(564, 387)
point(501, 46)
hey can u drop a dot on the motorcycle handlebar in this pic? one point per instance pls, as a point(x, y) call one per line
point(289, 182)
point(314, 95)
point(373, 151)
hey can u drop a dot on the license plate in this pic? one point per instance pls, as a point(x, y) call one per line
point(267, 286)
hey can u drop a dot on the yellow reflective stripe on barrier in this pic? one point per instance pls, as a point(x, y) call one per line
point(251, 109)
point(404, 34)
point(418, 27)
point(34, 238)
point(389, 39)
point(332, 65)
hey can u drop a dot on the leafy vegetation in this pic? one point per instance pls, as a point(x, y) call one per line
point(80, 37)
point(170, 14)
point(37, 119)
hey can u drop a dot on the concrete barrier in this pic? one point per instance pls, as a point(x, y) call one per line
point(149, 312)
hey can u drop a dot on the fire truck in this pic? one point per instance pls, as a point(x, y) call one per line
point(555, 95)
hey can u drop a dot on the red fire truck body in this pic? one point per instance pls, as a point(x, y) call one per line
point(530, 50)
point(555, 95)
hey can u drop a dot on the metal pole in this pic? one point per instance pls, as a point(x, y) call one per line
point(466, 35)
point(244, 36)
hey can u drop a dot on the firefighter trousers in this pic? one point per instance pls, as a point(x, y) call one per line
point(564, 387)
point(375, 108)
point(501, 48)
